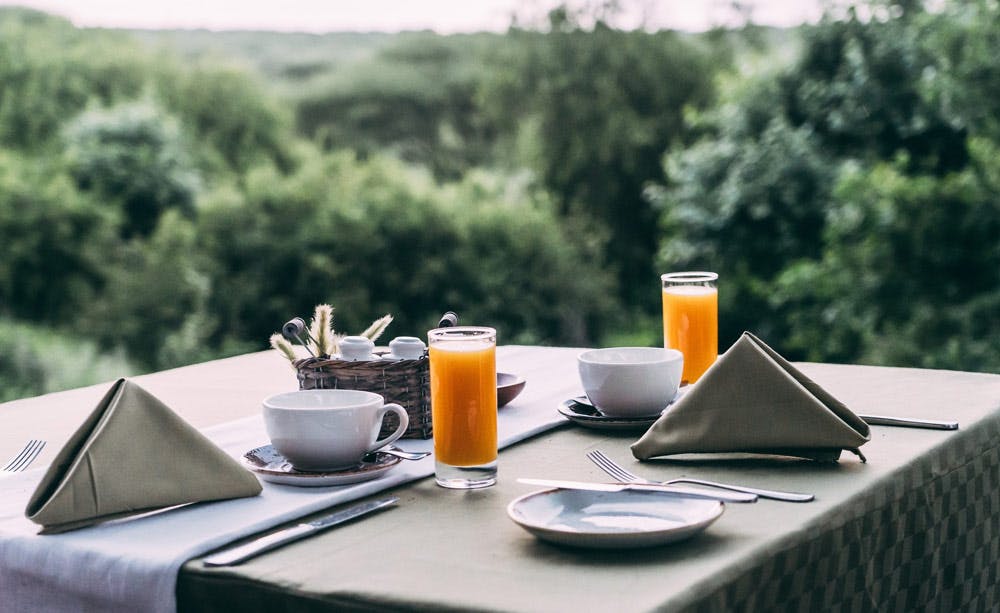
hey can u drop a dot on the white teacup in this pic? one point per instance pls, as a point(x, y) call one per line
point(631, 381)
point(323, 430)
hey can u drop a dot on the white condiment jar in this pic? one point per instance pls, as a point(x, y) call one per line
point(357, 348)
point(406, 348)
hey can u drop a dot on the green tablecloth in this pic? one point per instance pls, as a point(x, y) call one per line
point(917, 528)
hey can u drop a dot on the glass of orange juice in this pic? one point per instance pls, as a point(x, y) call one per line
point(691, 319)
point(464, 405)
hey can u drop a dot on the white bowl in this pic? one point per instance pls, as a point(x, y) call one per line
point(631, 381)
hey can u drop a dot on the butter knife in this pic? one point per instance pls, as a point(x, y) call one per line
point(686, 492)
point(908, 422)
point(242, 553)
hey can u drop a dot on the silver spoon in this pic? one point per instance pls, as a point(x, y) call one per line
point(399, 453)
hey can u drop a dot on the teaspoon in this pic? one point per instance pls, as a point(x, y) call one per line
point(399, 453)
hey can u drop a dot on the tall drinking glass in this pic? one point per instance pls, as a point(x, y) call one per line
point(464, 405)
point(691, 319)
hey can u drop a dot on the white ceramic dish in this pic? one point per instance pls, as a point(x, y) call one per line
point(269, 465)
point(509, 386)
point(630, 381)
point(580, 411)
point(612, 520)
point(327, 430)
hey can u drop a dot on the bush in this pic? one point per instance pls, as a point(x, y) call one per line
point(154, 299)
point(517, 267)
point(376, 237)
point(51, 71)
point(416, 99)
point(911, 274)
point(228, 114)
point(23, 369)
point(747, 209)
point(850, 212)
point(37, 361)
point(54, 242)
point(593, 110)
point(132, 156)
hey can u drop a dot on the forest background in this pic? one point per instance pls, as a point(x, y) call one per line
point(172, 197)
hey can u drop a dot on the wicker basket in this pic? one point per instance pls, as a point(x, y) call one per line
point(405, 382)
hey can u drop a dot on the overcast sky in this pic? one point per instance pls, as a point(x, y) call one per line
point(443, 16)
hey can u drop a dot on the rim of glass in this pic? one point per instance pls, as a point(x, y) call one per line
point(689, 277)
point(461, 333)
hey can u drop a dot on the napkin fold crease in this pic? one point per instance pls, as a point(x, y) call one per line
point(132, 455)
point(752, 400)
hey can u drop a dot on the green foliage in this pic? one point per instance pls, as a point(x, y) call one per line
point(132, 156)
point(965, 77)
point(601, 106)
point(153, 304)
point(518, 269)
point(416, 98)
point(225, 110)
point(858, 86)
point(22, 366)
point(374, 237)
point(746, 211)
point(53, 242)
point(289, 61)
point(911, 274)
point(180, 206)
point(848, 210)
point(182, 220)
point(37, 360)
point(37, 87)
point(50, 71)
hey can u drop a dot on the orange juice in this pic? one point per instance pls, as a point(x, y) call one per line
point(464, 402)
point(691, 325)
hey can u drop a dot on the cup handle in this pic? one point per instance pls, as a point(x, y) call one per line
point(404, 423)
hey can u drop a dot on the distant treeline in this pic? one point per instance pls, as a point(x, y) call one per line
point(167, 208)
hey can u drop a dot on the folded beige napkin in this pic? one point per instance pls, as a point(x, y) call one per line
point(753, 400)
point(131, 455)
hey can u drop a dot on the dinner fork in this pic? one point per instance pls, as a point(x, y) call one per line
point(24, 459)
point(608, 465)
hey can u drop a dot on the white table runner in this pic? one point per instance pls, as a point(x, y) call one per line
point(132, 565)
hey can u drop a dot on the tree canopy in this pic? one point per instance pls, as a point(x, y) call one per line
point(166, 207)
point(850, 199)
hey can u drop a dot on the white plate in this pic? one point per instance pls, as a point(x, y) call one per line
point(271, 466)
point(612, 520)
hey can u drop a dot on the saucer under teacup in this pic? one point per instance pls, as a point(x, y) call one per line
point(325, 430)
point(269, 465)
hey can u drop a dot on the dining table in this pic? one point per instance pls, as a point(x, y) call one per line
point(915, 527)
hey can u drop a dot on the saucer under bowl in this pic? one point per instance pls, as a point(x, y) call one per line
point(582, 412)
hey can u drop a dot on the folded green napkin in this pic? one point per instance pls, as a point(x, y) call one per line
point(132, 455)
point(753, 400)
